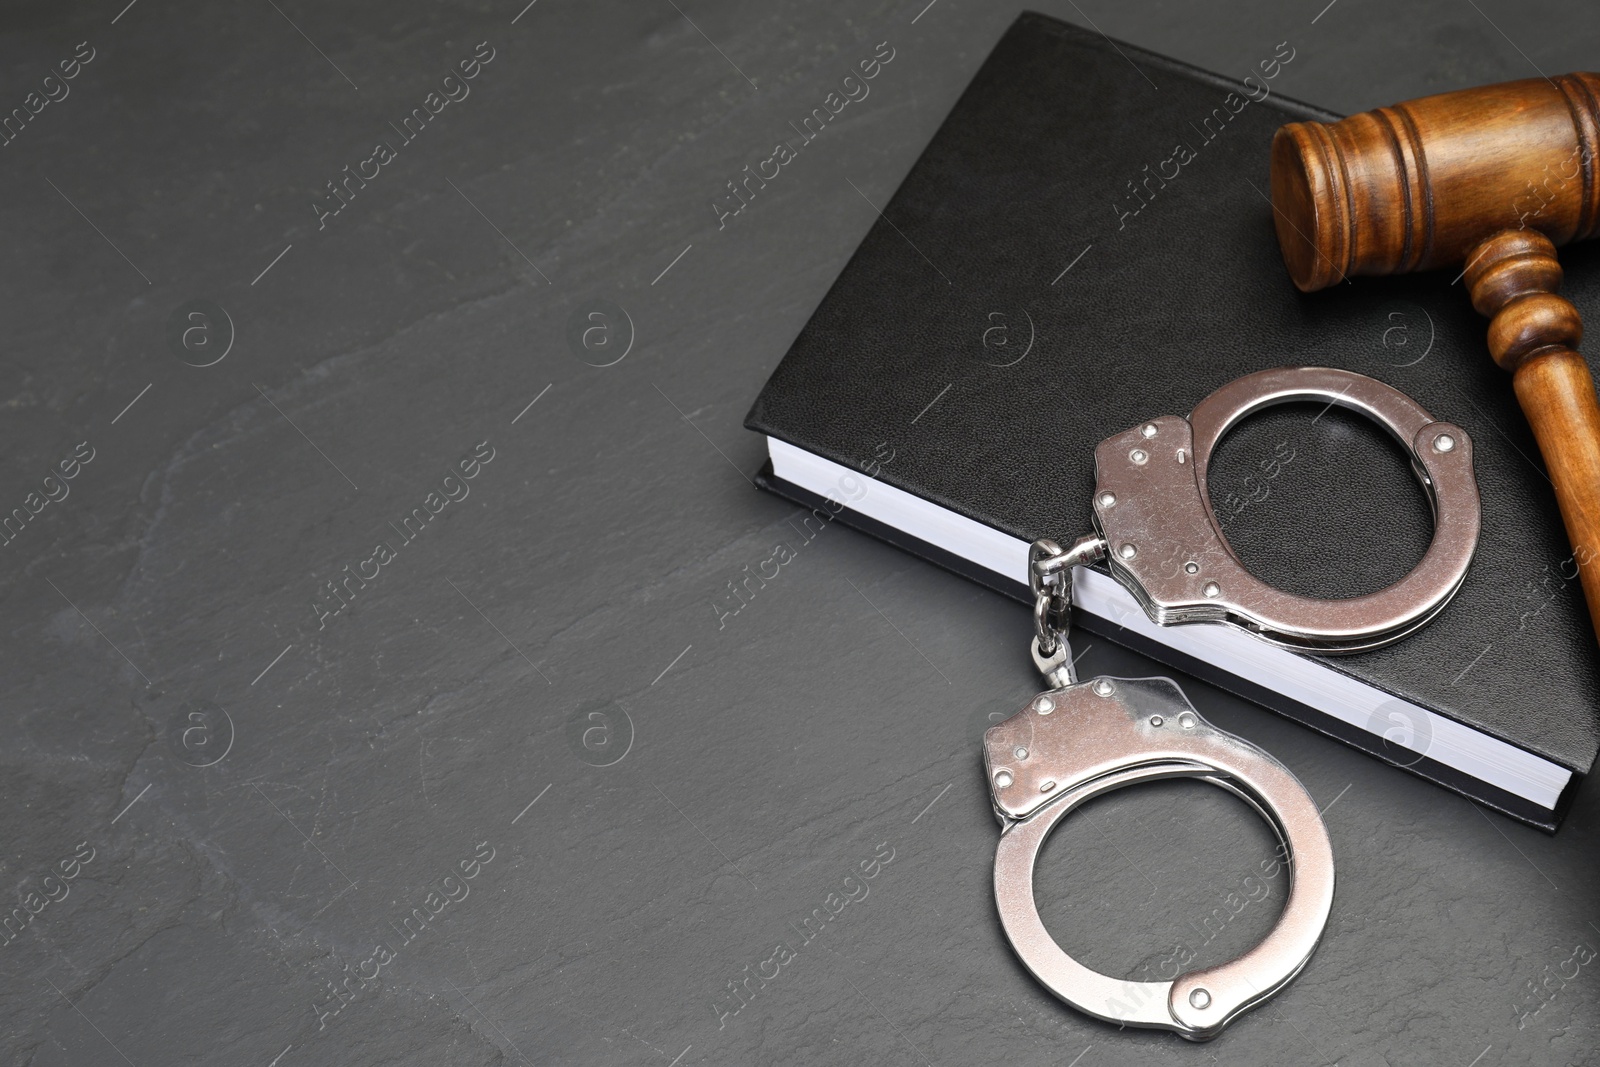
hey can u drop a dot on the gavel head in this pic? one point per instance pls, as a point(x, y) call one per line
point(1420, 184)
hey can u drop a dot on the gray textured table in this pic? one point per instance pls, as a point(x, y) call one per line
point(523, 793)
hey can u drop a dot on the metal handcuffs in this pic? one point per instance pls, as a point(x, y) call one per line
point(1156, 529)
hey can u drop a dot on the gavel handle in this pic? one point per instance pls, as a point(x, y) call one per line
point(1557, 395)
point(1513, 277)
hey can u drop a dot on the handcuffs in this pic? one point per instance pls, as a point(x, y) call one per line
point(1159, 536)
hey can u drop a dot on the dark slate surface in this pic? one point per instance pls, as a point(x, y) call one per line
point(250, 803)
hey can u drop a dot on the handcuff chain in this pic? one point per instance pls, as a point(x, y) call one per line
point(1050, 579)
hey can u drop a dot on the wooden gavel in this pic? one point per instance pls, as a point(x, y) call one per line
point(1493, 179)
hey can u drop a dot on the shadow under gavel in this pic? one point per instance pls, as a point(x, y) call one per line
point(1490, 180)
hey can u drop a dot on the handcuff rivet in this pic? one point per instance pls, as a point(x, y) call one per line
point(1200, 999)
point(1191, 567)
point(1103, 688)
point(1212, 590)
point(1149, 429)
point(1186, 721)
point(1107, 499)
point(1444, 443)
point(1128, 550)
point(1021, 752)
point(1047, 785)
point(1156, 720)
point(1002, 779)
point(1044, 705)
point(1139, 456)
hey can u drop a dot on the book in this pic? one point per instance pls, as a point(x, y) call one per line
point(1087, 244)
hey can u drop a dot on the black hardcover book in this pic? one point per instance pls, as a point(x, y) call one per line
point(1086, 244)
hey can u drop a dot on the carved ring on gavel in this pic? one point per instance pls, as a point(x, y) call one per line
point(1490, 181)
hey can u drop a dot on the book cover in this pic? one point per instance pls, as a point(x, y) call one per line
point(1086, 244)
